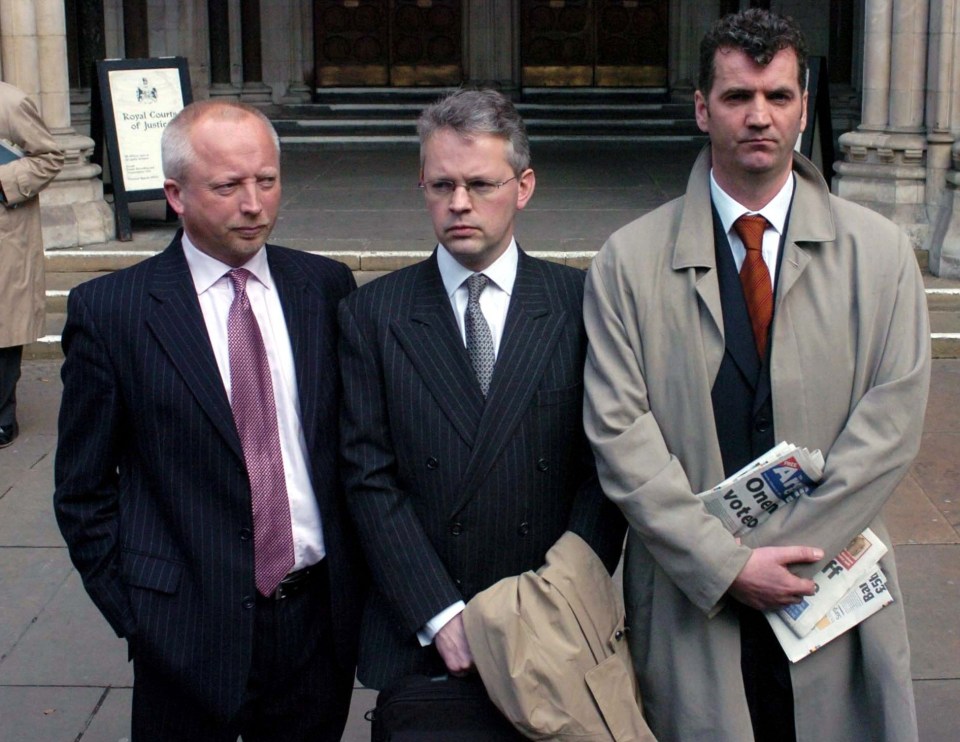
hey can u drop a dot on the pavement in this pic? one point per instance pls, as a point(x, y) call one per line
point(64, 675)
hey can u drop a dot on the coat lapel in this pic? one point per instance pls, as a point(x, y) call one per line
point(807, 227)
point(532, 328)
point(694, 248)
point(177, 323)
point(431, 339)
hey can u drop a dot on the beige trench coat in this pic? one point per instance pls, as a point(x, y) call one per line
point(550, 647)
point(850, 372)
point(21, 245)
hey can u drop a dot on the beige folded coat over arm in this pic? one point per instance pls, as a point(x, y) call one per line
point(551, 649)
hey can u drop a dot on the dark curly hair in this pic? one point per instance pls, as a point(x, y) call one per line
point(759, 34)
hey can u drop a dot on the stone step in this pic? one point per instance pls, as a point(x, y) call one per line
point(68, 268)
point(369, 116)
point(422, 96)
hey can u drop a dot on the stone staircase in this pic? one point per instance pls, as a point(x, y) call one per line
point(378, 116)
point(68, 268)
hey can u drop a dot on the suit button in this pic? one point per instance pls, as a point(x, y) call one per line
point(524, 528)
point(248, 602)
point(762, 425)
point(456, 528)
point(542, 464)
point(432, 463)
point(246, 534)
point(458, 582)
point(618, 635)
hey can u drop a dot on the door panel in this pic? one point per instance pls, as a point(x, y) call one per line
point(631, 42)
point(387, 42)
point(594, 42)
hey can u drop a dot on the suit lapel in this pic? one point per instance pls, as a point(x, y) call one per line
point(431, 339)
point(311, 345)
point(177, 323)
point(532, 328)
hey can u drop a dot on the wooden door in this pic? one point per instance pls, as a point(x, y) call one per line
point(387, 42)
point(594, 42)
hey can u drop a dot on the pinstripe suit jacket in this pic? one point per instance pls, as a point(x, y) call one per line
point(451, 493)
point(152, 493)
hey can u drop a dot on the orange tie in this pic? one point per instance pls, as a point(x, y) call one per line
point(755, 279)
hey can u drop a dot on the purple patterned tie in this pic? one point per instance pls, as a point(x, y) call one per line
point(255, 413)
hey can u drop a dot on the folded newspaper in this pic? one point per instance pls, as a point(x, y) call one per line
point(850, 567)
point(775, 480)
point(781, 475)
point(860, 602)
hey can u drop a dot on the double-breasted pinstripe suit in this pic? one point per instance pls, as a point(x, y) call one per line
point(152, 491)
point(451, 492)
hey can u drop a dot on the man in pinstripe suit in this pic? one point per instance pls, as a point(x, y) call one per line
point(155, 475)
point(455, 477)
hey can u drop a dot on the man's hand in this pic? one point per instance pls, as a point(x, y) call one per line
point(766, 584)
point(451, 643)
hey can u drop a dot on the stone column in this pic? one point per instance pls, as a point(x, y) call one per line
point(944, 173)
point(688, 23)
point(34, 50)
point(884, 160)
point(492, 42)
point(254, 91)
point(300, 87)
point(218, 31)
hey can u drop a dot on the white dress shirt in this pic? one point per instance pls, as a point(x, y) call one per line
point(215, 292)
point(495, 299)
point(775, 212)
point(494, 303)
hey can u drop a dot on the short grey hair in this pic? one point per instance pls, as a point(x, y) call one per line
point(471, 112)
point(176, 149)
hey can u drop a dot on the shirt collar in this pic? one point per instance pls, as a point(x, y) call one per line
point(502, 272)
point(206, 270)
point(774, 212)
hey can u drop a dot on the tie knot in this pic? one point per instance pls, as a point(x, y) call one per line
point(750, 227)
point(475, 285)
point(238, 277)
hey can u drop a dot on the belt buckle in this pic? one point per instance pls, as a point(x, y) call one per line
point(290, 583)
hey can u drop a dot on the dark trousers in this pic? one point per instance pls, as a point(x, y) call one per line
point(9, 376)
point(766, 679)
point(296, 691)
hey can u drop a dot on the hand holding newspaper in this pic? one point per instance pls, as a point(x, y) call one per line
point(848, 588)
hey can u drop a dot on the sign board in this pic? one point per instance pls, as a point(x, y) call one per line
point(135, 100)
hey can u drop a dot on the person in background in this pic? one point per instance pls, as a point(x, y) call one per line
point(23, 175)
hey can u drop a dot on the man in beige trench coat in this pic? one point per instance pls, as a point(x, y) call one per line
point(681, 390)
point(21, 247)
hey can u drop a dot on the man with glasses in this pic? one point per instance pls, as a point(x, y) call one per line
point(465, 456)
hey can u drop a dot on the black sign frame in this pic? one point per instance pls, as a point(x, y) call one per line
point(819, 118)
point(103, 130)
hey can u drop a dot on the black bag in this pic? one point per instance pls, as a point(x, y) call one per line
point(418, 708)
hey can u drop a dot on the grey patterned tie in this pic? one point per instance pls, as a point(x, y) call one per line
point(479, 339)
point(255, 413)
